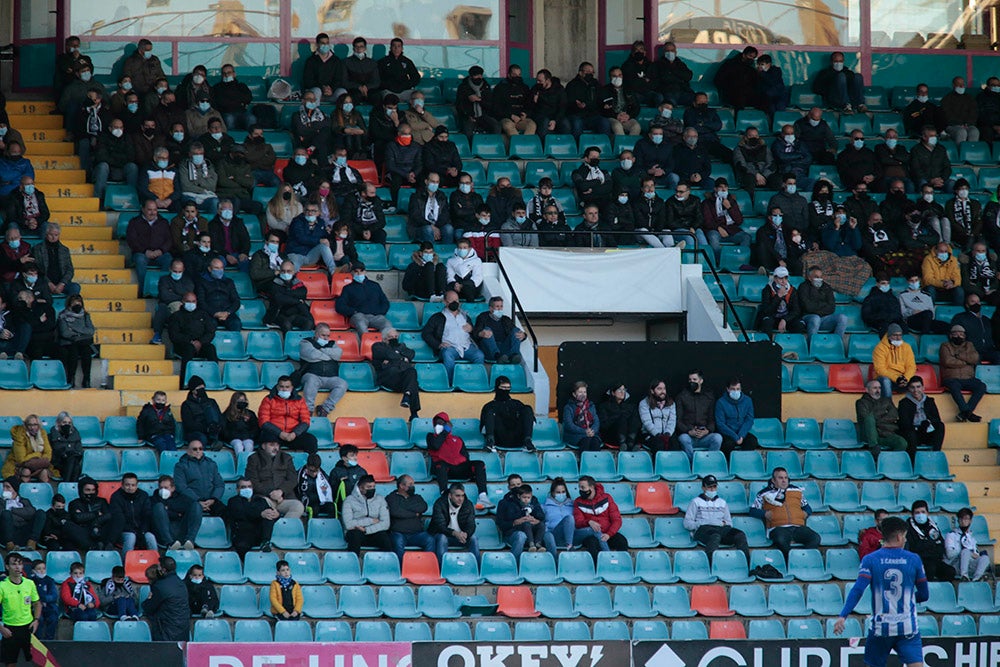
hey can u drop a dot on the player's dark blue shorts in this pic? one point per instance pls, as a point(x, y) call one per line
point(909, 649)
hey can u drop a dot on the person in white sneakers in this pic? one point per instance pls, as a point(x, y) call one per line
point(962, 552)
point(710, 522)
point(450, 459)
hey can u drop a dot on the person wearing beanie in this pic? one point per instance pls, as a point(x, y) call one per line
point(958, 362)
point(450, 459)
point(506, 422)
point(779, 310)
point(893, 362)
point(440, 155)
point(200, 415)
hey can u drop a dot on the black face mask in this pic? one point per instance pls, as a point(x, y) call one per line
point(586, 494)
point(957, 340)
point(242, 405)
point(149, 131)
point(369, 494)
point(159, 406)
point(77, 308)
point(693, 386)
point(256, 140)
point(515, 79)
point(453, 306)
point(393, 342)
point(974, 307)
point(502, 394)
point(66, 429)
point(594, 162)
point(286, 196)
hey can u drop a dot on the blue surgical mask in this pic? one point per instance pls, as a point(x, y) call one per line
point(560, 497)
point(246, 493)
point(132, 107)
point(389, 112)
point(465, 188)
point(622, 199)
point(710, 494)
point(29, 189)
point(15, 244)
point(649, 195)
point(341, 161)
point(176, 276)
point(657, 139)
point(352, 462)
point(790, 189)
point(287, 276)
point(920, 518)
point(427, 256)
point(980, 256)
point(198, 159)
point(885, 289)
point(147, 54)
point(162, 164)
point(324, 48)
point(520, 219)
point(285, 394)
point(3, 131)
point(30, 280)
point(943, 256)
point(914, 285)
point(891, 143)
point(126, 85)
point(226, 213)
point(272, 247)
point(496, 315)
point(218, 273)
point(85, 76)
point(858, 143)
point(204, 106)
point(228, 79)
point(735, 394)
point(312, 105)
point(301, 160)
point(776, 219)
point(348, 107)
point(197, 580)
point(419, 103)
point(217, 136)
point(432, 187)
point(178, 136)
point(310, 219)
point(190, 306)
point(359, 277)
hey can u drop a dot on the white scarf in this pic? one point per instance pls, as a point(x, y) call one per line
point(595, 174)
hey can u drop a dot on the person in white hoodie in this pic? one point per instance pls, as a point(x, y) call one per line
point(962, 552)
point(464, 271)
point(710, 522)
point(366, 518)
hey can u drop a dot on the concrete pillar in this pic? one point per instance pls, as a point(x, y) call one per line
point(565, 35)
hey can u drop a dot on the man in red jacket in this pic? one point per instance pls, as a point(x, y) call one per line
point(450, 459)
point(284, 418)
point(870, 539)
point(597, 519)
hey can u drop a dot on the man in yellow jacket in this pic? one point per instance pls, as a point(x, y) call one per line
point(942, 275)
point(31, 451)
point(893, 363)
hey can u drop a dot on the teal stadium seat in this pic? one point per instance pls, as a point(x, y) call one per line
point(14, 375)
point(49, 375)
point(672, 601)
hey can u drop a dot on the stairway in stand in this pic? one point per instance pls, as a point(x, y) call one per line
point(109, 289)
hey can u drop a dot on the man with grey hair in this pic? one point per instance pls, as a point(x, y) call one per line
point(55, 263)
point(67, 447)
point(320, 359)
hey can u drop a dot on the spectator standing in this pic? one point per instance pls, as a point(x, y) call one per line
point(167, 606)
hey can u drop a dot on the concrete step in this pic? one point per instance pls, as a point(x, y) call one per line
point(976, 457)
point(92, 233)
point(982, 488)
point(133, 352)
point(963, 435)
point(74, 204)
point(48, 142)
point(81, 262)
point(119, 336)
point(148, 383)
point(45, 177)
point(109, 292)
point(109, 277)
point(54, 161)
point(987, 505)
point(95, 248)
point(129, 305)
point(159, 368)
point(35, 121)
point(23, 107)
point(78, 219)
point(973, 474)
point(66, 190)
point(130, 320)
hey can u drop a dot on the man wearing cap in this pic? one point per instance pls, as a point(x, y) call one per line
point(450, 459)
point(893, 362)
point(440, 155)
point(779, 309)
point(364, 303)
point(710, 522)
point(958, 361)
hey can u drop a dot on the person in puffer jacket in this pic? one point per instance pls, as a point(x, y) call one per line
point(893, 362)
point(783, 508)
point(285, 419)
point(366, 518)
point(597, 519)
point(710, 522)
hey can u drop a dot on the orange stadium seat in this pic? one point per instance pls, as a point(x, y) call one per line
point(136, 562)
point(353, 431)
point(421, 568)
point(376, 464)
point(710, 600)
point(516, 602)
point(726, 630)
point(655, 498)
point(846, 378)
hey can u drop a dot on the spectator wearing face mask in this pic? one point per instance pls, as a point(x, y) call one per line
point(97, 527)
point(966, 215)
point(67, 447)
point(710, 522)
point(240, 427)
point(251, 518)
point(425, 275)
point(497, 335)
point(655, 158)
point(942, 276)
point(428, 215)
point(345, 473)
point(203, 599)
point(76, 340)
point(450, 459)
point(839, 87)
point(315, 491)
point(980, 332)
point(979, 272)
point(960, 113)
point(199, 114)
point(921, 112)
point(440, 155)
point(815, 135)
point(284, 418)
point(156, 424)
point(365, 515)
point(770, 251)
point(817, 301)
point(881, 307)
point(200, 414)
point(929, 162)
point(792, 158)
point(753, 162)
point(706, 123)
point(918, 308)
point(288, 303)
point(893, 361)
point(962, 552)
point(26, 208)
point(723, 219)
point(450, 333)
point(191, 330)
point(958, 362)
point(516, 231)
point(925, 540)
point(320, 365)
point(464, 272)
point(364, 303)
point(394, 370)
point(737, 80)
point(217, 295)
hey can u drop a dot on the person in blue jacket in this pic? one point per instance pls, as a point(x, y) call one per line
point(581, 425)
point(734, 419)
point(13, 167)
point(364, 303)
point(307, 240)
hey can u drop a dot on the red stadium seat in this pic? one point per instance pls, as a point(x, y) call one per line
point(655, 498)
point(931, 383)
point(325, 311)
point(348, 342)
point(367, 169)
point(105, 489)
point(137, 561)
point(516, 602)
point(421, 568)
point(376, 464)
point(317, 285)
point(367, 340)
point(337, 283)
point(726, 630)
point(846, 378)
point(354, 431)
point(279, 167)
point(710, 601)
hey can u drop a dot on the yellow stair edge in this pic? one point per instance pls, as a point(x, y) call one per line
point(116, 336)
point(98, 262)
point(95, 247)
point(147, 383)
point(133, 352)
point(46, 177)
point(74, 204)
point(93, 233)
point(160, 368)
point(131, 304)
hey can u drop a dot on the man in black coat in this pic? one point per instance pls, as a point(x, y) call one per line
point(288, 306)
point(440, 155)
point(394, 370)
point(323, 71)
point(458, 504)
point(166, 608)
point(584, 100)
point(191, 331)
point(200, 415)
point(497, 335)
point(93, 514)
point(397, 72)
point(839, 86)
point(736, 81)
point(506, 422)
point(217, 296)
point(133, 505)
point(474, 104)
point(919, 420)
point(251, 519)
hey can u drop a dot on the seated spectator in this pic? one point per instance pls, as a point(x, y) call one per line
point(217, 295)
point(870, 539)
point(384, 123)
point(921, 112)
point(881, 307)
point(655, 158)
point(521, 521)
point(737, 80)
point(273, 475)
point(156, 424)
point(966, 216)
point(734, 417)
point(170, 292)
point(329, 209)
point(619, 105)
point(345, 474)
point(618, 216)
point(453, 523)
point(30, 451)
point(979, 272)
point(403, 162)
point(465, 202)
point(893, 159)
point(581, 424)
point(942, 275)
point(619, 419)
point(197, 477)
point(929, 162)
point(440, 155)
point(753, 162)
point(76, 340)
point(192, 330)
point(626, 177)
point(60, 533)
point(558, 507)
point(449, 331)
point(428, 217)
point(959, 113)
point(315, 491)
point(917, 309)
point(496, 334)
point(233, 98)
point(858, 164)
point(197, 179)
point(706, 123)
point(925, 540)
point(96, 526)
point(261, 158)
point(26, 208)
point(48, 592)
point(771, 89)
point(919, 420)
point(319, 359)
point(791, 157)
point(217, 142)
point(649, 215)
point(149, 240)
point(696, 417)
point(287, 299)
point(200, 114)
point(365, 515)
point(236, 182)
point(817, 301)
point(842, 235)
point(794, 206)
point(28, 281)
point(658, 416)
point(20, 522)
point(41, 317)
point(87, 117)
point(239, 424)
point(692, 163)
point(197, 260)
point(598, 520)
point(815, 134)
point(203, 599)
point(55, 264)
point(284, 418)
point(80, 601)
point(548, 103)
point(323, 72)
point(962, 552)
point(878, 245)
point(13, 167)
point(511, 104)
point(682, 213)
point(893, 361)
point(591, 183)
point(193, 85)
point(251, 517)
point(878, 420)
point(394, 370)
point(135, 508)
point(157, 176)
point(977, 331)
point(176, 516)
point(265, 264)
point(722, 219)
point(14, 256)
point(363, 211)
point(783, 508)
point(474, 103)
point(186, 229)
point(450, 459)
point(839, 87)
point(710, 522)
point(364, 303)
point(308, 242)
point(464, 272)
point(285, 594)
point(584, 104)
point(345, 181)
point(67, 447)
point(553, 230)
point(301, 174)
point(958, 362)
point(780, 308)
point(770, 251)
point(9, 135)
point(349, 125)
point(406, 524)
point(425, 275)
point(988, 105)
point(506, 422)
point(119, 596)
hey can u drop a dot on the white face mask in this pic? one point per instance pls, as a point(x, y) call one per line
point(813, 122)
point(838, 67)
point(616, 81)
point(789, 139)
point(817, 282)
point(666, 113)
point(439, 428)
point(960, 90)
point(790, 189)
point(896, 343)
point(929, 197)
point(165, 494)
point(922, 99)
